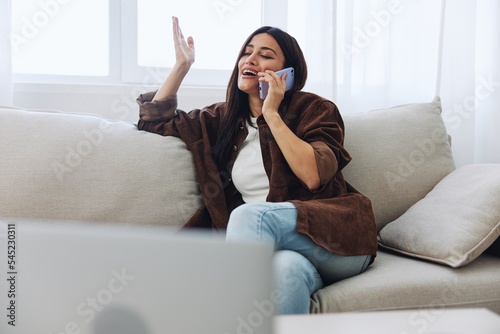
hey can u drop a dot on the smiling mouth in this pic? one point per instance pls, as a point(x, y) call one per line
point(249, 73)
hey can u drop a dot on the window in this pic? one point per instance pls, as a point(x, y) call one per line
point(130, 41)
point(48, 38)
point(126, 41)
point(218, 27)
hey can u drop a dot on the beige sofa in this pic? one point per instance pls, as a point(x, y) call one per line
point(436, 222)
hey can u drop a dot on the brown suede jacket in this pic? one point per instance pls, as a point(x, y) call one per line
point(335, 216)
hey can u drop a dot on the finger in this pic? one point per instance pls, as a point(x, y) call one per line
point(283, 78)
point(280, 81)
point(265, 76)
point(175, 25)
point(271, 76)
point(190, 42)
point(174, 28)
point(177, 28)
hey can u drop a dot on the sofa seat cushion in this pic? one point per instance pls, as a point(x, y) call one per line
point(398, 155)
point(83, 167)
point(397, 282)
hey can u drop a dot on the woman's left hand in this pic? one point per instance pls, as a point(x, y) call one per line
point(276, 92)
point(299, 154)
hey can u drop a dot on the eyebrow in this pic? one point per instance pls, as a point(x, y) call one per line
point(263, 48)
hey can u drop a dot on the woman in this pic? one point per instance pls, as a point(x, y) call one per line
point(270, 170)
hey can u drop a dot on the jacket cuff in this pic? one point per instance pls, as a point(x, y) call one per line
point(326, 161)
point(156, 110)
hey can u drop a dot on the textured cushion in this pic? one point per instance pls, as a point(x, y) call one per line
point(398, 155)
point(83, 167)
point(456, 222)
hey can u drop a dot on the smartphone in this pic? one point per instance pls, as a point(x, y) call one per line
point(264, 86)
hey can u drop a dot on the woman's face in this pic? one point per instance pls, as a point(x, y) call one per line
point(262, 53)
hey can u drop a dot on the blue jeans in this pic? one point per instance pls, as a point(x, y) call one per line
point(300, 266)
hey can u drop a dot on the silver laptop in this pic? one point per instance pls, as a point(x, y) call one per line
point(69, 278)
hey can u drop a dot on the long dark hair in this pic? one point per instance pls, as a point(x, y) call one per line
point(237, 108)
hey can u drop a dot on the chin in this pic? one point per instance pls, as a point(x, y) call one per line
point(246, 89)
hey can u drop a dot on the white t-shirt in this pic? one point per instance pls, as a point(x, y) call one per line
point(248, 174)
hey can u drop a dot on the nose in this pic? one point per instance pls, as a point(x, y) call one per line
point(250, 60)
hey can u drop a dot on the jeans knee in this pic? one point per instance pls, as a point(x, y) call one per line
point(295, 279)
point(268, 222)
point(240, 216)
point(293, 272)
point(241, 212)
point(243, 224)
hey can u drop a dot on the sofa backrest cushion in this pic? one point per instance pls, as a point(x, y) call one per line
point(398, 155)
point(82, 167)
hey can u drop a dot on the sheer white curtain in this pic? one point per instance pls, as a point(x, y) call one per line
point(5, 54)
point(312, 23)
point(487, 144)
point(390, 52)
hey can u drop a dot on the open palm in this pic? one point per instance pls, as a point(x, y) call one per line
point(184, 48)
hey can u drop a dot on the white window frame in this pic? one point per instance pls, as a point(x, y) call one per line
point(114, 76)
point(272, 10)
point(123, 66)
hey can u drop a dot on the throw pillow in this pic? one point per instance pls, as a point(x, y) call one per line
point(398, 155)
point(455, 222)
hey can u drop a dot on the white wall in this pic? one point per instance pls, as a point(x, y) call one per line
point(112, 102)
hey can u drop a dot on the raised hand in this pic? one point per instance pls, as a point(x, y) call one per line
point(184, 58)
point(184, 48)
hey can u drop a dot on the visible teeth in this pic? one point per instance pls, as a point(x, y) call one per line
point(249, 72)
